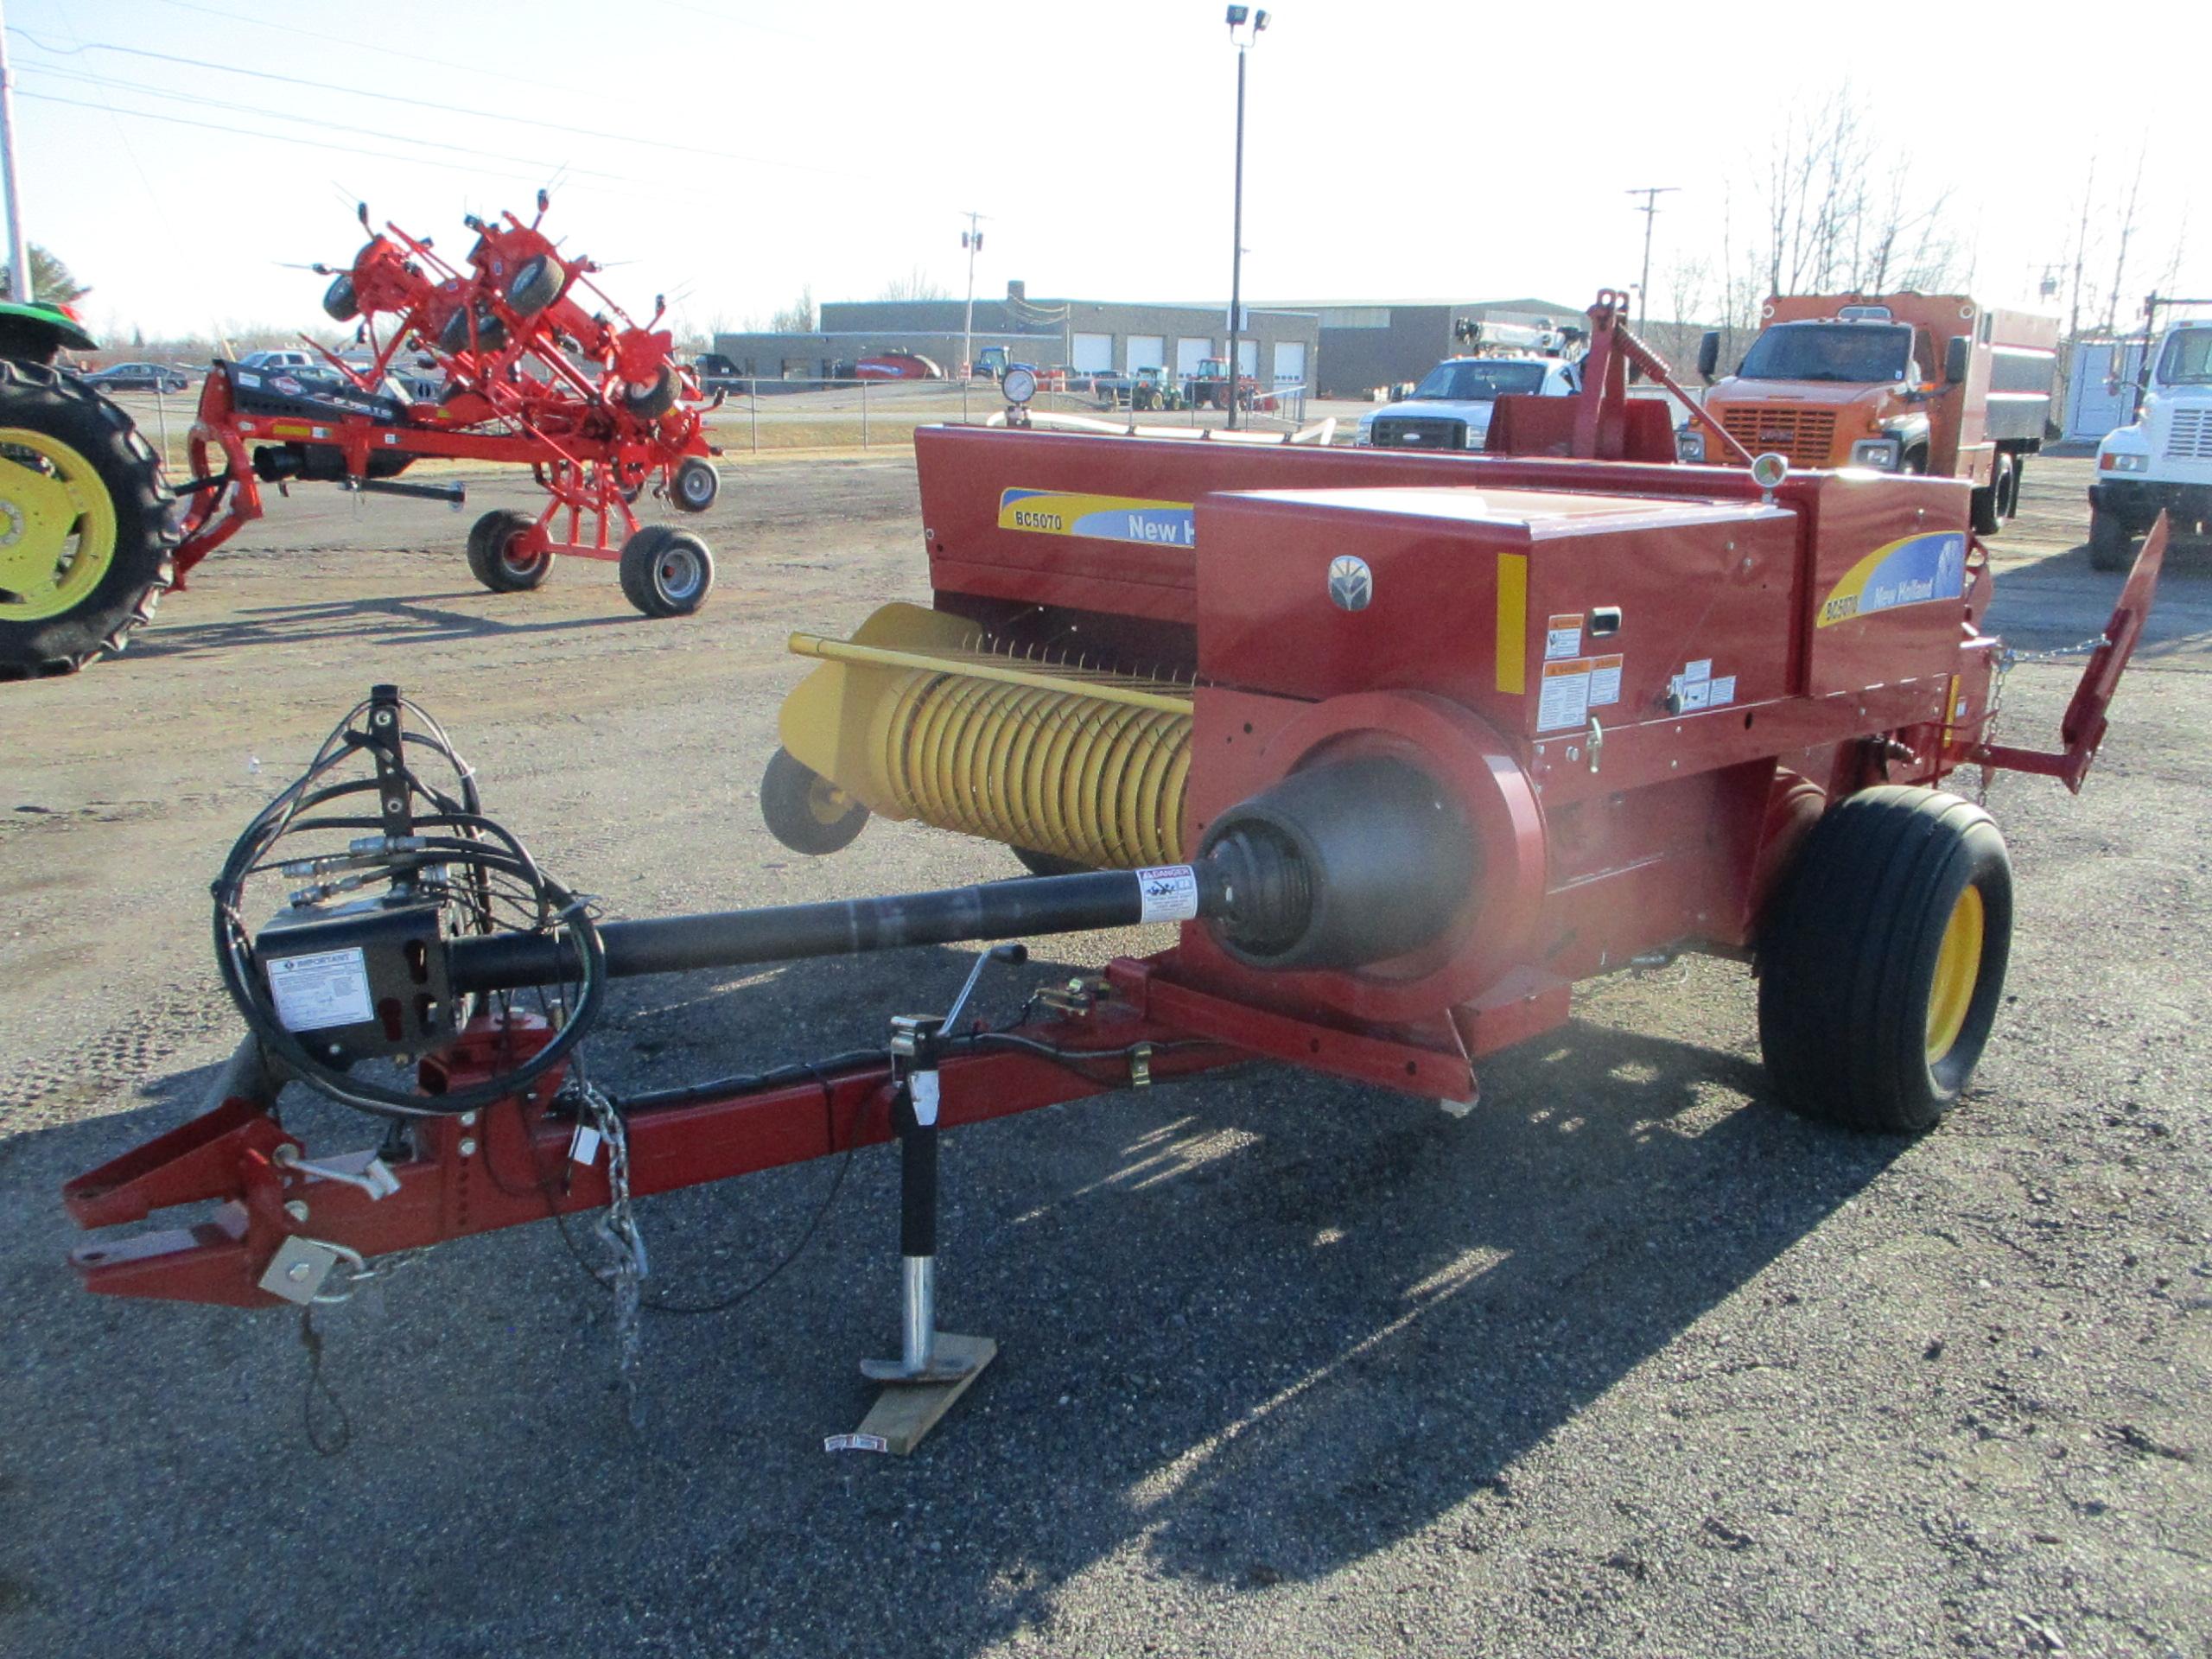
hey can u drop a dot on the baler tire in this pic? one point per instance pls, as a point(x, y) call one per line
point(805, 810)
point(488, 541)
point(1039, 863)
point(657, 399)
point(2011, 505)
point(2112, 543)
point(340, 302)
point(694, 485)
point(1882, 959)
point(1986, 507)
point(535, 285)
point(118, 593)
point(666, 572)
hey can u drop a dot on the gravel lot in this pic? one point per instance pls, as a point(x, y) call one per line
point(1629, 1361)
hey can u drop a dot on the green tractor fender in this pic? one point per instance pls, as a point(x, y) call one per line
point(33, 331)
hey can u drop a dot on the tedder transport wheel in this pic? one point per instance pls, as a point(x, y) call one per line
point(805, 810)
point(1882, 958)
point(654, 400)
point(496, 561)
point(1986, 507)
point(2112, 544)
point(86, 527)
point(695, 484)
point(340, 302)
point(666, 572)
point(535, 286)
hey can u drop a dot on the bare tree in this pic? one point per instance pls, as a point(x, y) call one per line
point(1842, 212)
point(915, 284)
point(2127, 235)
point(796, 318)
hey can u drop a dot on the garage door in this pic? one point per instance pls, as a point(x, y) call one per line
point(1248, 357)
point(1146, 352)
point(1290, 363)
point(1091, 354)
point(1189, 353)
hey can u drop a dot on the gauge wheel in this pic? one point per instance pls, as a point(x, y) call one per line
point(491, 332)
point(535, 285)
point(695, 484)
point(87, 536)
point(340, 302)
point(805, 810)
point(666, 572)
point(497, 558)
point(1882, 959)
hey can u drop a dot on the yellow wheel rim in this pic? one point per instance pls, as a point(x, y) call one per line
point(57, 526)
point(827, 802)
point(1958, 969)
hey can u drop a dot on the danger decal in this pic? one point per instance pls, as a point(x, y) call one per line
point(1917, 570)
point(1106, 517)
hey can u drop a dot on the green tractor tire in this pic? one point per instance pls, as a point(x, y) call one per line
point(88, 529)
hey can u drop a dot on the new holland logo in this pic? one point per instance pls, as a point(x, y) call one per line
point(1351, 584)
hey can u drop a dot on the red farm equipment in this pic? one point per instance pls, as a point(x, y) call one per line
point(1408, 745)
point(539, 368)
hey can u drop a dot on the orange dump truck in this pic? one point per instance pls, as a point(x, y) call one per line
point(1912, 383)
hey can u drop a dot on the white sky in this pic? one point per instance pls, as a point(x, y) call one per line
point(1401, 150)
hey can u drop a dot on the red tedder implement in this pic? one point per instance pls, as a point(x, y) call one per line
point(539, 368)
point(1406, 745)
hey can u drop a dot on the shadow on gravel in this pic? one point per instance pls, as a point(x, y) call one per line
point(1255, 1328)
point(416, 621)
point(2059, 599)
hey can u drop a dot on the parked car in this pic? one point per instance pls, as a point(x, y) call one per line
point(273, 360)
point(897, 366)
point(1451, 406)
point(139, 377)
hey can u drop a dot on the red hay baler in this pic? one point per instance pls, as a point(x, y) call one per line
point(1408, 745)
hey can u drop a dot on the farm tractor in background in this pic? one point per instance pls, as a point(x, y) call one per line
point(539, 368)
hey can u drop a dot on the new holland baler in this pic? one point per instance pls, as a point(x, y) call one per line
point(1408, 746)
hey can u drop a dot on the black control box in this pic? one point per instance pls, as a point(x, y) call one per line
point(359, 979)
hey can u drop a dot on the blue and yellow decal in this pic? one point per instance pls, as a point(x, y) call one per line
point(1109, 517)
point(1917, 570)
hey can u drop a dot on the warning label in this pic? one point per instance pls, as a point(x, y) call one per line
point(1604, 681)
point(1167, 892)
point(1563, 637)
point(330, 988)
point(1564, 699)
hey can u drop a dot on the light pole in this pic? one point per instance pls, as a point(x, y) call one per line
point(1237, 15)
point(972, 240)
point(19, 263)
point(1650, 192)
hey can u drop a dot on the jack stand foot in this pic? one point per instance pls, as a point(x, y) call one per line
point(908, 1409)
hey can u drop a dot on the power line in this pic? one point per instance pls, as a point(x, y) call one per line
point(446, 109)
point(469, 69)
point(319, 121)
point(347, 149)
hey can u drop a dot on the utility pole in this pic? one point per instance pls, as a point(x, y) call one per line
point(1237, 16)
point(19, 264)
point(972, 240)
point(1650, 192)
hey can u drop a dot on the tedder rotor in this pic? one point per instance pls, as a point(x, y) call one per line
point(1406, 746)
point(531, 364)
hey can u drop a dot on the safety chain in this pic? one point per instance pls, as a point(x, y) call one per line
point(2006, 663)
point(626, 1266)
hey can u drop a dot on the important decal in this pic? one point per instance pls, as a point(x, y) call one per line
point(1917, 570)
point(1107, 517)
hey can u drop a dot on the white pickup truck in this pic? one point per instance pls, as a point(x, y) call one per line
point(1451, 408)
point(2163, 459)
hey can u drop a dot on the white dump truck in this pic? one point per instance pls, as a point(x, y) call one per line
point(2162, 461)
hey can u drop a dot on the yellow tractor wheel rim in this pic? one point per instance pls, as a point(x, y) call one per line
point(1958, 969)
point(827, 802)
point(57, 527)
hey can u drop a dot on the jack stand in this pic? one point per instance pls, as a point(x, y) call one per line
point(934, 1368)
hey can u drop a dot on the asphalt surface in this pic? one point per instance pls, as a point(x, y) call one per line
point(1628, 1362)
